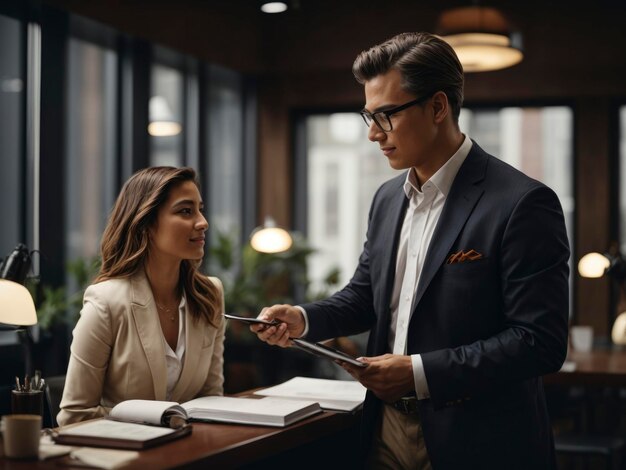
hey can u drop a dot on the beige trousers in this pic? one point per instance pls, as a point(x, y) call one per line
point(399, 443)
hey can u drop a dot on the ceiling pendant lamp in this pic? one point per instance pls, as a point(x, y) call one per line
point(268, 238)
point(481, 38)
point(162, 121)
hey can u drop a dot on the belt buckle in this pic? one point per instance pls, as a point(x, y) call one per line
point(406, 405)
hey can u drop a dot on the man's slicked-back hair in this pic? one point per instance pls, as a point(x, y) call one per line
point(426, 62)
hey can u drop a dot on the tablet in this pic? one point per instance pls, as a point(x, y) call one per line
point(252, 321)
point(320, 349)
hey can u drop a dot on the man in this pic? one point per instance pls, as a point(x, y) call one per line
point(463, 281)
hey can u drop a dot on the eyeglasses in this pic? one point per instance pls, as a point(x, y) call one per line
point(383, 118)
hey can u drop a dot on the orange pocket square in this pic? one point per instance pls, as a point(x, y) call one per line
point(461, 256)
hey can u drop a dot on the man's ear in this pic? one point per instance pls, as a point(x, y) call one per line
point(441, 106)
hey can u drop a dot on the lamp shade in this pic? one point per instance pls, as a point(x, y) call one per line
point(481, 38)
point(162, 122)
point(273, 7)
point(16, 304)
point(268, 238)
point(593, 265)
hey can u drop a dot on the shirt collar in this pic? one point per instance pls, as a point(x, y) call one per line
point(444, 177)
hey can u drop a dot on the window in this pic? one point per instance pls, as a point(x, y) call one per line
point(344, 169)
point(91, 145)
point(223, 180)
point(622, 178)
point(537, 141)
point(12, 89)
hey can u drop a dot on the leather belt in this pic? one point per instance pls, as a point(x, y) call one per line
point(407, 405)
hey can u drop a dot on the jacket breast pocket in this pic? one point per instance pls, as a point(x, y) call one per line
point(465, 267)
point(466, 295)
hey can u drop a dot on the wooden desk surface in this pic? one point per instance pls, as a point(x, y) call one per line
point(600, 367)
point(224, 445)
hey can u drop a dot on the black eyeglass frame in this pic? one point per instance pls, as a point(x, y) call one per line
point(390, 112)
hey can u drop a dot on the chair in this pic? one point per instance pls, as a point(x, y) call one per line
point(5, 399)
point(54, 393)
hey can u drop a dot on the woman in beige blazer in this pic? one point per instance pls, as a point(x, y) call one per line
point(151, 326)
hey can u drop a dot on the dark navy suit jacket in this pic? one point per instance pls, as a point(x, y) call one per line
point(486, 329)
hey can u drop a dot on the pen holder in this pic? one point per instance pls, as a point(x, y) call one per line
point(27, 402)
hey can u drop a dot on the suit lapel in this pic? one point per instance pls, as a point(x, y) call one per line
point(149, 331)
point(394, 220)
point(464, 194)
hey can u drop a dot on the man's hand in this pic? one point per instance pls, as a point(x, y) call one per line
point(390, 376)
point(291, 326)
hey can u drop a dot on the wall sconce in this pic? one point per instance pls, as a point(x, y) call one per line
point(162, 122)
point(268, 238)
point(595, 265)
point(481, 38)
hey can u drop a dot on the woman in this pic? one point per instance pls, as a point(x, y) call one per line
point(151, 326)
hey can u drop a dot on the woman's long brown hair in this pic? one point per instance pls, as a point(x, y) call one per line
point(125, 243)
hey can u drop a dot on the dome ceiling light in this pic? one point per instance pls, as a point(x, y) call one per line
point(481, 37)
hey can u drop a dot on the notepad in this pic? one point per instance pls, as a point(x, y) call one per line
point(117, 434)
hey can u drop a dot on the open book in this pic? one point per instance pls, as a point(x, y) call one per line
point(137, 424)
point(341, 395)
point(132, 424)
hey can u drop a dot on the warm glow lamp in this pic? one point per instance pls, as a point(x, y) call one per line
point(16, 305)
point(17, 309)
point(273, 7)
point(595, 265)
point(162, 122)
point(481, 38)
point(268, 238)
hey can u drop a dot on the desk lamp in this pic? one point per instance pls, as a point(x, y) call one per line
point(17, 309)
point(595, 265)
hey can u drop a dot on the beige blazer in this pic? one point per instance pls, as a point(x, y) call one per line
point(118, 353)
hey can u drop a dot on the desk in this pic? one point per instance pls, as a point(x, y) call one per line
point(233, 446)
point(606, 368)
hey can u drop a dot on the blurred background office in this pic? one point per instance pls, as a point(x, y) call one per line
point(265, 107)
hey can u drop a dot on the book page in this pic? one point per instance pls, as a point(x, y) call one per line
point(144, 411)
point(243, 406)
point(264, 411)
point(105, 428)
point(344, 395)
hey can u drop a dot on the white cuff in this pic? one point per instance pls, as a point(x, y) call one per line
point(306, 321)
point(419, 377)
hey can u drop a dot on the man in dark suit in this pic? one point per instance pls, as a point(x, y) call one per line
point(463, 282)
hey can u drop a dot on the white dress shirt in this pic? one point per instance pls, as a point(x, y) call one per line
point(420, 220)
point(174, 359)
